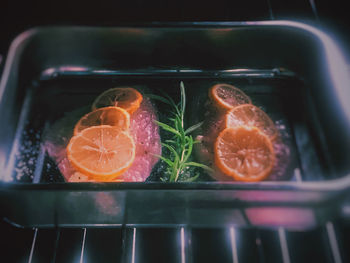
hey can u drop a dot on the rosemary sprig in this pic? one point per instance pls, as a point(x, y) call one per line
point(180, 145)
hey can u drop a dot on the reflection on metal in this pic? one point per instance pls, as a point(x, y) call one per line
point(133, 246)
point(213, 192)
point(2, 160)
point(284, 245)
point(333, 243)
point(346, 210)
point(40, 159)
point(52, 73)
point(7, 176)
point(183, 256)
point(82, 247)
point(272, 17)
point(290, 217)
point(33, 246)
point(314, 9)
point(297, 175)
point(233, 245)
point(335, 61)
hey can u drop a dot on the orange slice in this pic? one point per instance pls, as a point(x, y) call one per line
point(250, 115)
point(113, 116)
point(244, 153)
point(226, 96)
point(123, 97)
point(101, 152)
point(79, 178)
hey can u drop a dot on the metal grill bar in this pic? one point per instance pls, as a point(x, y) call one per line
point(284, 245)
point(333, 242)
point(233, 245)
point(56, 245)
point(183, 255)
point(330, 230)
point(33, 246)
point(235, 253)
point(314, 9)
point(83, 247)
point(133, 250)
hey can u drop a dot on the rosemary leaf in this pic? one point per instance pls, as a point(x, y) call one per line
point(180, 146)
point(189, 150)
point(166, 160)
point(199, 165)
point(180, 125)
point(192, 179)
point(171, 149)
point(183, 98)
point(175, 170)
point(172, 103)
point(168, 128)
point(177, 123)
point(193, 127)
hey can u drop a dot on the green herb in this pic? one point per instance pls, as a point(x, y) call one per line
point(180, 145)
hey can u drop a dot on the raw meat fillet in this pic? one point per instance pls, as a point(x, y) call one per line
point(142, 127)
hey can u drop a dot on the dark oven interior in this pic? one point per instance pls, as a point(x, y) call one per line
point(275, 90)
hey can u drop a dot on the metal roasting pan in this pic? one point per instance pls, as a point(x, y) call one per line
point(294, 68)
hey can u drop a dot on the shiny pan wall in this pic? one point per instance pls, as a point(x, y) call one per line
point(289, 64)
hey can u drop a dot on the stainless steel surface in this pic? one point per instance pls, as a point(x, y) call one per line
point(227, 50)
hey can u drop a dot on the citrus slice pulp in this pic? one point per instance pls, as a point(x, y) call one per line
point(101, 152)
point(244, 153)
point(123, 97)
point(112, 116)
point(250, 115)
point(226, 96)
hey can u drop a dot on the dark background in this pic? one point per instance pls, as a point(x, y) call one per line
point(64, 245)
point(17, 16)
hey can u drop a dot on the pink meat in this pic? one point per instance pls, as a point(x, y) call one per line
point(213, 125)
point(143, 129)
point(146, 135)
